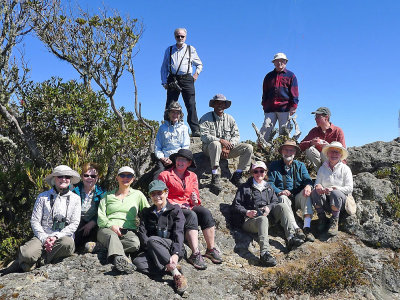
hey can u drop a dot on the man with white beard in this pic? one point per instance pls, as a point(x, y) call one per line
point(291, 182)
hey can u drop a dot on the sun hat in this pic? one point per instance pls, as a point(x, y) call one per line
point(63, 170)
point(126, 169)
point(157, 185)
point(280, 55)
point(350, 205)
point(186, 153)
point(174, 105)
point(259, 164)
point(336, 145)
point(322, 111)
point(220, 97)
point(290, 143)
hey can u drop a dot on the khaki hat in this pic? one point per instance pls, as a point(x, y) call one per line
point(280, 55)
point(350, 205)
point(259, 164)
point(220, 97)
point(126, 169)
point(290, 143)
point(322, 111)
point(336, 145)
point(63, 170)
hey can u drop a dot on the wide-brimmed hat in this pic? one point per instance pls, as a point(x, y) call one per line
point(259, 164)
point(186, 153)
point(174, 105)
point(280, 55)
point(336, 145)
point(157, 185)
point(290, 143)
point(63, 170)
point(220, 97)
point(322, 111)
point(126, 169)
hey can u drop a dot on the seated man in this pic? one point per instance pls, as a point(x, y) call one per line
point(323, 134)
point(220, 137)
point(290, 180)
point(255, 201)
point(54, 220)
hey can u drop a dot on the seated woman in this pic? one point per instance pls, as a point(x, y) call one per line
point(183, 190)
point(171, 136)
point(90, 194)
point(54, 220)
point(255, 200)
point(161, 234)
point(333, 184)
point(117, 220)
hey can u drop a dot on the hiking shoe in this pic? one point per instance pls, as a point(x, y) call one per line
point(322, 221)
point(293, 242)
point(299, 233)
point(27, 267)
point(268, 260)
point(180, 283)
point(214, 255)
point(237, 179)
point(197, 261)
point(309, 236)
point(216, 183)
point(93, 247)
point(12, 267)
point(333, 226)
point(123, 264)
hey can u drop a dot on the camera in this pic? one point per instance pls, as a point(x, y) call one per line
point(260, 212)
point(123, 230)
point(162, 232)
point(173, 85)
point(59, 223)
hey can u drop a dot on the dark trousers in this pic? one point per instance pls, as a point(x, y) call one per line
point(81, 240)
point(158, 169)
point(198, 216)
point(186, 82)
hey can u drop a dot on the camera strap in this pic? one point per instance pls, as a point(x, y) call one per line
point(170, 60)
point(52, 200)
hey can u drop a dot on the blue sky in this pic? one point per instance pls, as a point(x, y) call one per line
point(344, 54)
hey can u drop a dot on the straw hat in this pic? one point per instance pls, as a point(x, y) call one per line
point(63, 170)
point(336, 145)
point(289, 143)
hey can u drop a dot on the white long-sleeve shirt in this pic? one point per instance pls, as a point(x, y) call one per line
point(339, 178)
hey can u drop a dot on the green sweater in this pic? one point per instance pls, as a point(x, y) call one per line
point(113, 211)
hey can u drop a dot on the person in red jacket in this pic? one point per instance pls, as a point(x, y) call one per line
point(183, 190)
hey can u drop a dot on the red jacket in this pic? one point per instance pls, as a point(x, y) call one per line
point(333, 133)
point(180, 190)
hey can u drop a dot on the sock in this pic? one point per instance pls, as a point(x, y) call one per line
point(335, 214)
point(214, 171)
point(239, 171)
point(175, 272)
point(307, 222)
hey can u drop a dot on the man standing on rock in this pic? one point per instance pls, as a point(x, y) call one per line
point(321, 135)
point(220, 137)
point(280, 96)
point(176, 76)
point(291, 182)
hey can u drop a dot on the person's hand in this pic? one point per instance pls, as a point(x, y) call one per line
point(266, 210)
point(49, 243)
point(165, 161)
point(173, 262)
point(251, 213)
point(307, 191)
point(327, 191)
point(195, 76)
point(225, 152)
point(320, 189)
point(116, 228)
point(87, 228)
point(285, 193)
point(292, 111)
point(226, 144)
point(193, 198)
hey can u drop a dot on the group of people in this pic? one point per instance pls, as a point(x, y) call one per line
point(77, 213)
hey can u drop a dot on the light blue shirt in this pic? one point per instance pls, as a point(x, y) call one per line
point(171, 138)
point(176, 57)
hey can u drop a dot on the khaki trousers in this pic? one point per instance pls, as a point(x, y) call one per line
point(127, 243)
point(315, 157)
point(241, 150)
point(31, 251)
point(300, 202)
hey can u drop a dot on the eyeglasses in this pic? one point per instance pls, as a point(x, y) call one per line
point(180, 36)
point(259, 171)
point(87, 175)
point(64, 177)
point(129, 176)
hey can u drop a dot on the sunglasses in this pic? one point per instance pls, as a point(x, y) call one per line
point(129, 176)
point(180, 36)
point(64, 177)
point(259, 171)
point(87, 175)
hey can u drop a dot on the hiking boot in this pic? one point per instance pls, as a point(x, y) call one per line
point(216, 183)
point(12, 267)
point(27, 267)
point(333, 226)
point(180, 283)
point(299, 234)
point(322, 221)
point(294, 242)
point(197, 261)
point(214, 255)
point(309, 236)
point(123, 264)
point(237, 179)
point(268, 260)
